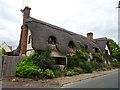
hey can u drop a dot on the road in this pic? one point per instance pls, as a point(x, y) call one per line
point(105, 81)
point(0, 84)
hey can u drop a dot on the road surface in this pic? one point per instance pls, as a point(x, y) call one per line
point(105, 81)
point(0, 84)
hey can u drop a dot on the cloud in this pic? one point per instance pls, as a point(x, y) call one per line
point(80, 16)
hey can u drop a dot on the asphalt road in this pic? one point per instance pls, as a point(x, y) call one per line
point(0, 84)
point(105, 81)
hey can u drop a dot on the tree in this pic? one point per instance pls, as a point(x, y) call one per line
point(115, 49)
point(113, 45)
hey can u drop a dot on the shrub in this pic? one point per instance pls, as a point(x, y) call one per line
point(98, 57)
point(41, 73)
point(29, 71)
point(78, 70)
point(58, 73)
point(115, 64)
point(49, 73)
point(69, 73)
point(38, 65)
point(104, 69)
point(75, 58)
point(86, 67)
point(95, 65)
point(43, 59)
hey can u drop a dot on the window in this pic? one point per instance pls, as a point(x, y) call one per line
point(106, 51)
point(29, 40)
point(95, 49)
point(71, 44)
point(52, 40)
point(60, 60)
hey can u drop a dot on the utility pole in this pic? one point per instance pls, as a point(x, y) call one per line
point(118, 23)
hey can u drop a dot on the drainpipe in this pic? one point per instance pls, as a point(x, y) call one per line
point(24, 32)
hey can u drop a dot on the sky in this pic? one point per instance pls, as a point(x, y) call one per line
point(79, 16)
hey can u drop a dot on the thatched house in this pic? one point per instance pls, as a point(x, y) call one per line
point(39, 35)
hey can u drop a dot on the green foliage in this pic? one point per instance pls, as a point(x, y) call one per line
point(70, 73)
point(37, 65)
point(98, 57)
point(115, 64)
point(44, 60)
point(113, 45)
point(116, 54)
point(29, 71)
point(58, 73)
point(115, 49)
point(2, 51)
point(95, 65)
point(75, 58)
point(78, 70)
point(82, 46)
point(86, 67)
point(49, 73)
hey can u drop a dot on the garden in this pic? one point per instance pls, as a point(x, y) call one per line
point(41, 65)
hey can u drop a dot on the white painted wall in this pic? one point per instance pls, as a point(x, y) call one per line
point(29, 45)
point(106, 48)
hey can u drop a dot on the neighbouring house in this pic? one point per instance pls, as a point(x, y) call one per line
point(6, 47)
point(39, 35)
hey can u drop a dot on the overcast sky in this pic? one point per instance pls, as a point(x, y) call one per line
point(79, 16)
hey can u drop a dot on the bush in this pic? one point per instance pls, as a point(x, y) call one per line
point(43, 59)
point(97, 57)
point(38, 65)
point(29, 71)
point(58, 73)
point(69, 73)
point(49, 73)
point(86, 67)
point(95, 65)
point(78, 70)
point(75, 58)
point(115, 64)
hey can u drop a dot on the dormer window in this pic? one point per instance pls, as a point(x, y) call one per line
point(52, 40)
point(71, 44)
point(95, 49)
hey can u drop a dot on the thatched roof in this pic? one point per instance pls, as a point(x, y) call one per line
point(41, 31)
point(101, 43)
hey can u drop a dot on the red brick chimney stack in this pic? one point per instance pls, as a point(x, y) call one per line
point(24, 32)
point(90, 35)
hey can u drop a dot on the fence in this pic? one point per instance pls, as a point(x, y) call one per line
point(8, 65)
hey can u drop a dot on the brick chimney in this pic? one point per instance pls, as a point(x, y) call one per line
point(24, 32)
point(90, 35)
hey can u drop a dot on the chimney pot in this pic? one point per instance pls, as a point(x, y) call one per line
point(90, 35)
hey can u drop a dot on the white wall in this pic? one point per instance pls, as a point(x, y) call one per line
point(106, 48)
point(29, 45)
